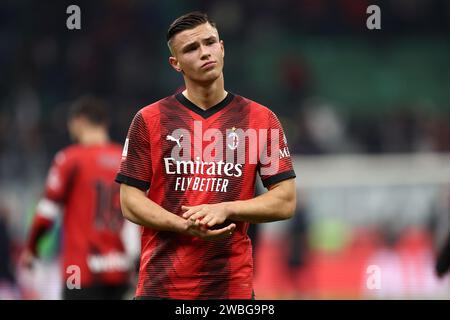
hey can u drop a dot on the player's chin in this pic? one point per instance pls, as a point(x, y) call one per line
point(210, 75)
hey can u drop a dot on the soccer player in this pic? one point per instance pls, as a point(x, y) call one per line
point(188, 176)
point(81, 183)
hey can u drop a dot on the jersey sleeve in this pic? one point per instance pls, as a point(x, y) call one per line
point(60, 176)
point(136, 167)
point(275, 163)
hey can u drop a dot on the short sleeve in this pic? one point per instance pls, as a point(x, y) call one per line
point(60, 176)
point(275, 163)
point(136, 167)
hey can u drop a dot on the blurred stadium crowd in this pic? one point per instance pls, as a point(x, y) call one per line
point(338, 87)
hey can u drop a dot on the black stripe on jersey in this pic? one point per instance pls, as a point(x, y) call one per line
point(143, 185)
point(278, 177)
point(204, 113)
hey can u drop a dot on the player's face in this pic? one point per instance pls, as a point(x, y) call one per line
point(198, 53)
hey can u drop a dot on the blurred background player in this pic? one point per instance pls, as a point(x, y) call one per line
point(81, 183)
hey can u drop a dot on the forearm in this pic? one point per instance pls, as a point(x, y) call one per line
point(276, 204)
point(47, 211)
point(39, 228)
point(137, 208)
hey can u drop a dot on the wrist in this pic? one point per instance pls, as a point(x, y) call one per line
point(179, 225)
point(231, 210)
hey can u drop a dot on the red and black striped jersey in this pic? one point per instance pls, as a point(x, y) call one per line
point(184, 155)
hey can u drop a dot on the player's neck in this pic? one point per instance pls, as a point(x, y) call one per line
point(205, 96)
point(93, 136)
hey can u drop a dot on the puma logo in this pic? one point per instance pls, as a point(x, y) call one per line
point(170, 138)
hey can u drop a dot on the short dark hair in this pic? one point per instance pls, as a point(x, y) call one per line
point(188, 21)
point(93, 108)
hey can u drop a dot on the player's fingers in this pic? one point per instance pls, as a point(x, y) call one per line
point(188, 213)
point(228, 230)
point(189, 224)
point(205, 221)
point(191, 211)
point(195, 229)
point(193, 223)
point(198, 215)
point(231, 227)
point(212, 222)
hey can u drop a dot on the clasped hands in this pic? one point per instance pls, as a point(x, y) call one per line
point(199, 220)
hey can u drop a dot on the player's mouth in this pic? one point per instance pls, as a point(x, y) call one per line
point(208, 64)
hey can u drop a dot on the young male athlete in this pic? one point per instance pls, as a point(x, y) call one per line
point(188, 176)
point(80, 184)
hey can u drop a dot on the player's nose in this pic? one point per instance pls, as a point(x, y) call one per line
point(204, 52)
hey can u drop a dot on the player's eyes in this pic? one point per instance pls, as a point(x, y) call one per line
point(189, 48)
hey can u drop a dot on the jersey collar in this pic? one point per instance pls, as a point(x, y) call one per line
point(204, 113)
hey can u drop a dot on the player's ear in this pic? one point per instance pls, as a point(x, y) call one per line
point(175, 64)
point(222, 45)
